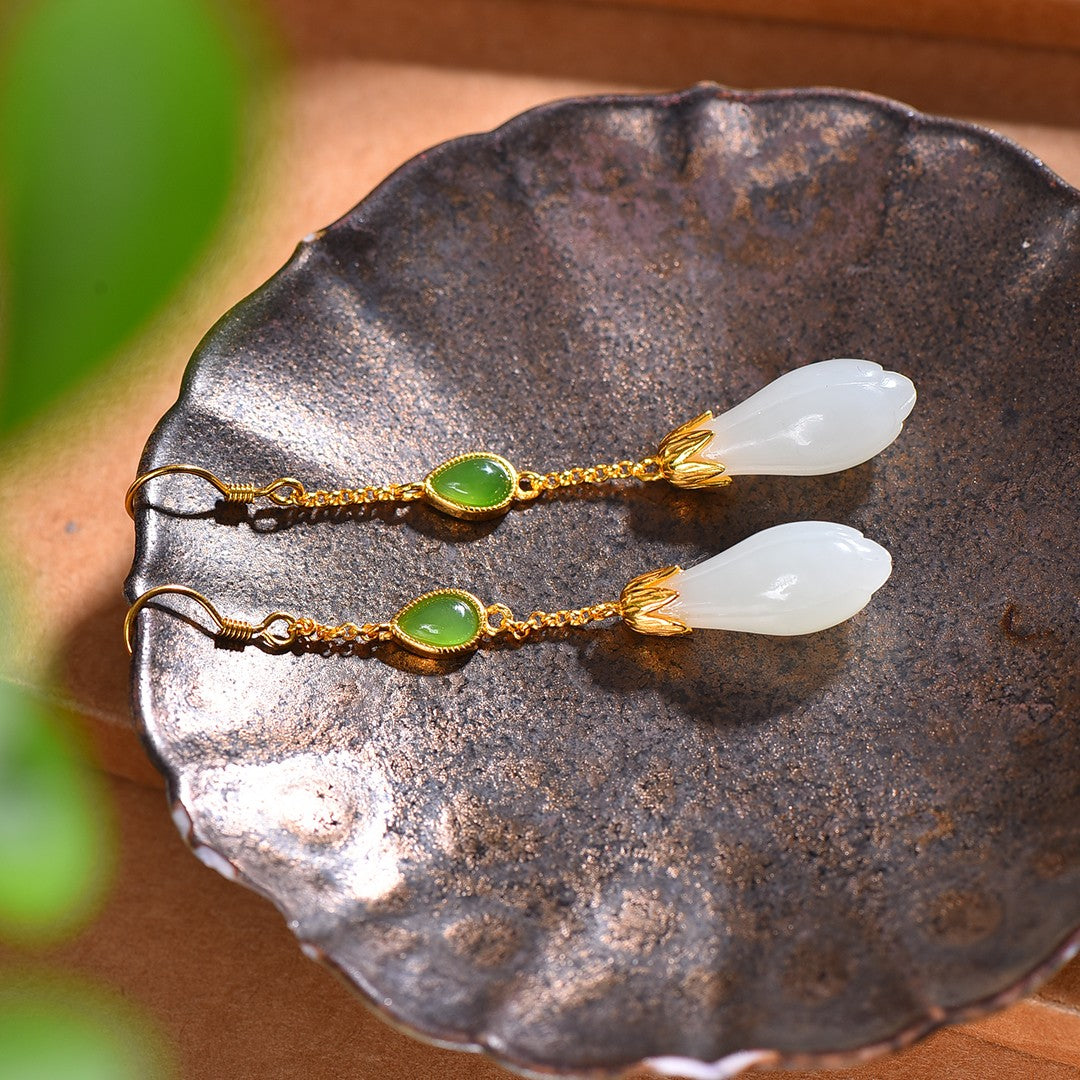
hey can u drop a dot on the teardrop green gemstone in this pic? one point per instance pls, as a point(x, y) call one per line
point(472, 483)
point(446, 620)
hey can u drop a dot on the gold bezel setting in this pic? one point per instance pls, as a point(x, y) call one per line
point(423, 648)
point(471, 513)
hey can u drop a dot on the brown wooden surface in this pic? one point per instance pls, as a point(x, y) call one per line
point(668, 46)
point(212, 962)
point(1055, 23)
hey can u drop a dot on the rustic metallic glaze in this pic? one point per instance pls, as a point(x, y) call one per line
point(601, 848)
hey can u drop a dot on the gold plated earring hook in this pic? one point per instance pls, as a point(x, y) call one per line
point(285, 491)
point(234, 631)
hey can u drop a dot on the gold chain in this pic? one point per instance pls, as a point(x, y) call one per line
point(533, 484)
point(502, 624)
point(312, 632)
point(296, 495)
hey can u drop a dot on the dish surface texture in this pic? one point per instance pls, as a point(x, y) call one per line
point(602, 848)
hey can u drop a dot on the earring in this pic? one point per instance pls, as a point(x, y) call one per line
point(820, 418)
point(791, 579)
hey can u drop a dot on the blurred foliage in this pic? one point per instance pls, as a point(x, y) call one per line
point(120, 139)
point(53, 829)
point(122, 131)
point(61, 1029)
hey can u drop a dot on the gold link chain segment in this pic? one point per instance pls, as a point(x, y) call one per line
point(502, 624)
point(317, 500)
point(312, 633)
point(533, 484)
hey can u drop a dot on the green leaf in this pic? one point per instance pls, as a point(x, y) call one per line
point(120, 132)
point(54, 837)
point(60, 1029)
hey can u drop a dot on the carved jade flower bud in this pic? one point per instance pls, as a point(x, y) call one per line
point(792, 579)
point(816, 419)
point(820, 418)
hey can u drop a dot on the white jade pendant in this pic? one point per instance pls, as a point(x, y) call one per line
point(816, 419)
point(792, 579)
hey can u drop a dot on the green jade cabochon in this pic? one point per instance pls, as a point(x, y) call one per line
point(444, 620)
point(476, 482)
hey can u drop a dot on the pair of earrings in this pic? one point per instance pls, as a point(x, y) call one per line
point(796, 578)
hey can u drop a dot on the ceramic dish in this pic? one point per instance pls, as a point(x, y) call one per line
point(602, 849)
